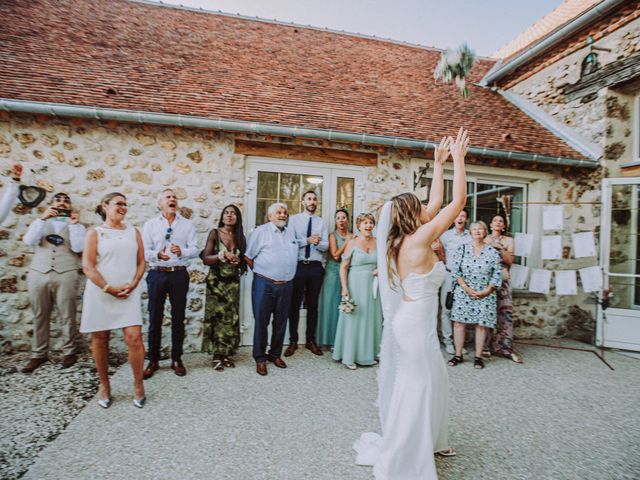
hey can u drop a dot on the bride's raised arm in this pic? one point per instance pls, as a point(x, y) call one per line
point(436, 192)
point(436, 227)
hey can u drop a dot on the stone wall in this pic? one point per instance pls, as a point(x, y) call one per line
point(88, 159)
point(605, 119)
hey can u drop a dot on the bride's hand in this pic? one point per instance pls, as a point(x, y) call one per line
point(441, 152)
point(459, 147)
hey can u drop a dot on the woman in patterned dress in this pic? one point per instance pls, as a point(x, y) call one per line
point(477, 273)
point(224, 253)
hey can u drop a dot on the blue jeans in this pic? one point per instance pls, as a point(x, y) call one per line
point(269, 298)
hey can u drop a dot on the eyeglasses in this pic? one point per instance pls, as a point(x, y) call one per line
point(168, 234)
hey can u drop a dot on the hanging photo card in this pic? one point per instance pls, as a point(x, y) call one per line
point(552, 247)
point(584, 245)
point(591, 278)
point(524, 244)
point(519, 275)
point(552, 217)
point(540, 281)
point(566, 283)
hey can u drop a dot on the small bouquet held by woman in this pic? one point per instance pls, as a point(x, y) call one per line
point(346, 305)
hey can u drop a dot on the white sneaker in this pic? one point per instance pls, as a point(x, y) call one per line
point(449, 348)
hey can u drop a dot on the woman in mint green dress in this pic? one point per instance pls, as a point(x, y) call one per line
point(359, 332)
point(330, 292)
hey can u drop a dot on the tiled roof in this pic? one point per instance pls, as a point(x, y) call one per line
point(172, 60)
point(566, 12)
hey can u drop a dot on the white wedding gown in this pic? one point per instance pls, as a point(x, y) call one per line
point(414, 410)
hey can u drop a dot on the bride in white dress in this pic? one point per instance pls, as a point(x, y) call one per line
point(413, 382)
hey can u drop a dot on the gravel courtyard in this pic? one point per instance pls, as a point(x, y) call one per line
point(563, 414)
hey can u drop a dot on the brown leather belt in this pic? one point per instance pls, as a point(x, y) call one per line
point(168, 269)
point(275, 282)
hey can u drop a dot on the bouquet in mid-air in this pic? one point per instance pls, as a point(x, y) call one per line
point(456, 65)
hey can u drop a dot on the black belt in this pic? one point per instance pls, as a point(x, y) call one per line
point(309, 262)
point(168, 269)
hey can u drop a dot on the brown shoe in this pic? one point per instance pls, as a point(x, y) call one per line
point(150, 370)
point(178, 368)
point(278, 362)
point(314, 348)
point(33, 364)
point(291, 349)
point(261, 368)
point(69, 360)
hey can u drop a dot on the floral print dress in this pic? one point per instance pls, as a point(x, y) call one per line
point(478, 272)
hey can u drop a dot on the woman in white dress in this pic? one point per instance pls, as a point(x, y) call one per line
point(413, 388)
point(113, 261)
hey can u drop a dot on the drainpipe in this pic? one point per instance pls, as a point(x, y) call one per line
point(130, 116)
point(549, 42)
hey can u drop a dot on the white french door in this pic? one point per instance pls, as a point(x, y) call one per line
point(271, 180)
point(619, 325)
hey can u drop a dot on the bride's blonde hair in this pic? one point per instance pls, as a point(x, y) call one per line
point(405, 220)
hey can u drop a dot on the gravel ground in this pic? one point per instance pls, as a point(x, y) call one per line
point(561, 415)
point(36, 408)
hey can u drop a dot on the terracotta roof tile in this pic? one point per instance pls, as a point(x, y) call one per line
point(566, 12)
point(171, 60)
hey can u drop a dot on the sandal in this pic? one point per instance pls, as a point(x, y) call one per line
point(217, 364)
point(515, 357)
point(448, 452)
point(486, 353)
point(455, 360)
point(227, 362)
point(478, 363)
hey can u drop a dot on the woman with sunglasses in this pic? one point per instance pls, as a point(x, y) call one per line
point(113, 262)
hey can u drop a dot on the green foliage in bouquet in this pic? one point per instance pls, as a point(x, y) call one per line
point(456, 65)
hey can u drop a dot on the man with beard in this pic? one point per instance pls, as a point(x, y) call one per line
point(169, 242)
point(451, 240)
point(53, 280)
point(312, 238)
point(272, 254)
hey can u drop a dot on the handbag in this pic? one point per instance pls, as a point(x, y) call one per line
point(448, 301)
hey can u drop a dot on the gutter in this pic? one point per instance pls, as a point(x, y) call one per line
point(188, 121)
point(547, 43)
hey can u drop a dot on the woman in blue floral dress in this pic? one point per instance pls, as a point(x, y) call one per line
point(477, 275)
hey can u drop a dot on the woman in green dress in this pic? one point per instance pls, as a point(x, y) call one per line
point(330, 292)
point(359, 332)
point(224, 253)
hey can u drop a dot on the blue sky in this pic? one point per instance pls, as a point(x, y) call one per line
point(485, 24)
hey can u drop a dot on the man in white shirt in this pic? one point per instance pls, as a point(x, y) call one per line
point(53, 277)
point(169, 243)
point(10, 195)
point(272, 254)
point(312, 238)
point(451, 240)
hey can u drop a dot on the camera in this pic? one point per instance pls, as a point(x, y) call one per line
point(62, 212)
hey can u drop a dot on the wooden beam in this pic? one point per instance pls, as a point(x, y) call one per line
point(300, 152)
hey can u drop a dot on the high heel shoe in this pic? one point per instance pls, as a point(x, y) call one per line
point(106, 403)
point(140, 403)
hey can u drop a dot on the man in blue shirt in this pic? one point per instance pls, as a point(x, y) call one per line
point(272, 254)
point(312, 238)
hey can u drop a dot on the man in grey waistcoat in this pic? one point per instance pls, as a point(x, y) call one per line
point(53, 278)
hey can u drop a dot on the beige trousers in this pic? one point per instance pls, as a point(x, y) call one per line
point(45, 291)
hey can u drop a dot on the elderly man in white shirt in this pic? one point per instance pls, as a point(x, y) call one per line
point(169, 243)
point(312, 237)
point(53, 277)
point(272, 254)
point(451, 240)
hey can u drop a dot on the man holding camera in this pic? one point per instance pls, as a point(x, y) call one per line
point(58, 239)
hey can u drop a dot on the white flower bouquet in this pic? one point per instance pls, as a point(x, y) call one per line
point(347, 305)
point(456, 65)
